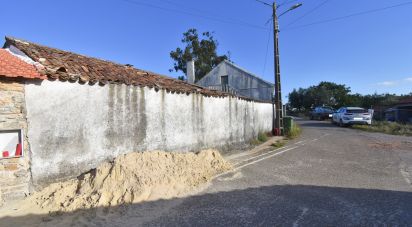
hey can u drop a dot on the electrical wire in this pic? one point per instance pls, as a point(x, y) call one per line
point(348, 16)
point(267, 50)
point(263, 2)
point(183, 5)
point(307, 13)
point(286, 2)
point(240, 23)
point(180, 5)
point(245, 24)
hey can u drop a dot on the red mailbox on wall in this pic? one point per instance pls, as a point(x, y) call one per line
point(11, 143)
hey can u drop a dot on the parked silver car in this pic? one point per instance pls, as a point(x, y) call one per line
point(351, 116)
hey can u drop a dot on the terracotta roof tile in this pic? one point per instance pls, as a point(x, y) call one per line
point(12, 66)
point(64, 65)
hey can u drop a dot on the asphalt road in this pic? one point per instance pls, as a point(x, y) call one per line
point(330, 176)
point(335, 177)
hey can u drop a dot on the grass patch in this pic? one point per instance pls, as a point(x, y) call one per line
point(294, 132)
point(278, 144)
point(255, 142)
point(386, 127)
point(262, 137)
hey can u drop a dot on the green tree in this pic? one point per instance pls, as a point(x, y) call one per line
point(202, 50)
point(295, 99)
point(323, 94)
point(355, 100)
point(338, 95)
point(332, 94)
point(375, 100)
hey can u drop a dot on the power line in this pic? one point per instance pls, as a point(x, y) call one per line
point(263, 2)
point(240, 23)
point(180, 5)
point(267, 50)
point(350, 15)
point(279, 5)
point(309, 12)
point(286, 2)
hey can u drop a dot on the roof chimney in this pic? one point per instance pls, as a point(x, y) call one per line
point(190, 72)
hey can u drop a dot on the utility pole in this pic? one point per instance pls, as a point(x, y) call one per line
point(277, 125)
point(277, 116)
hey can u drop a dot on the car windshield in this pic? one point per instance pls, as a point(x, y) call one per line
point(356, 111)
point(328, 110)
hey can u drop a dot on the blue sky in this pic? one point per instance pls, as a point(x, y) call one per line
point(370, 53)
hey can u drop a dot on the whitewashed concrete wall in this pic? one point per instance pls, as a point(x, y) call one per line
point(73, 127)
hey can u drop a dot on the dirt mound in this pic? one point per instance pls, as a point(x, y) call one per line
point(133, 178)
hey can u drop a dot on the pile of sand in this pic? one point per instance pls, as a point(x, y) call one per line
point(133, 178)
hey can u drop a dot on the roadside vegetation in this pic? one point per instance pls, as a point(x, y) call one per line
point(391, 128)
point(262, 137)
point(302, 100)
point(278, 144)
point(294, 132)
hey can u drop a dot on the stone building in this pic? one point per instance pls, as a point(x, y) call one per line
point(14, 169)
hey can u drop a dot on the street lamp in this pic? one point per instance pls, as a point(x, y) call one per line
point(291, 8)
point(277, 124)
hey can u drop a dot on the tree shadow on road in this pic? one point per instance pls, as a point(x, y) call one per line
point(269, 205)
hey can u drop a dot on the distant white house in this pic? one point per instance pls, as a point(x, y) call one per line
point(229, 77)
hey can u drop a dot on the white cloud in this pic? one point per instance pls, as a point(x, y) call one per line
point(393, 83)
point(388, 83)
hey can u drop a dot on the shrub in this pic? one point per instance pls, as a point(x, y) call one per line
point(392, 128)
point(262, 137)
point(294, 132)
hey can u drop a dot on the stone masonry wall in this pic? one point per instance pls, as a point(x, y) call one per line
point(14, 172)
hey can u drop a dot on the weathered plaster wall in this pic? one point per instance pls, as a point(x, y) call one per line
point(74, 127)
point(14, 172)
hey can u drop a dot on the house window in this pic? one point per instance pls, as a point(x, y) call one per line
point(224, 80)
point(11, 143)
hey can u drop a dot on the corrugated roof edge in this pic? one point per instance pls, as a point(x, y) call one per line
point(248, 72)
point(199, 89)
